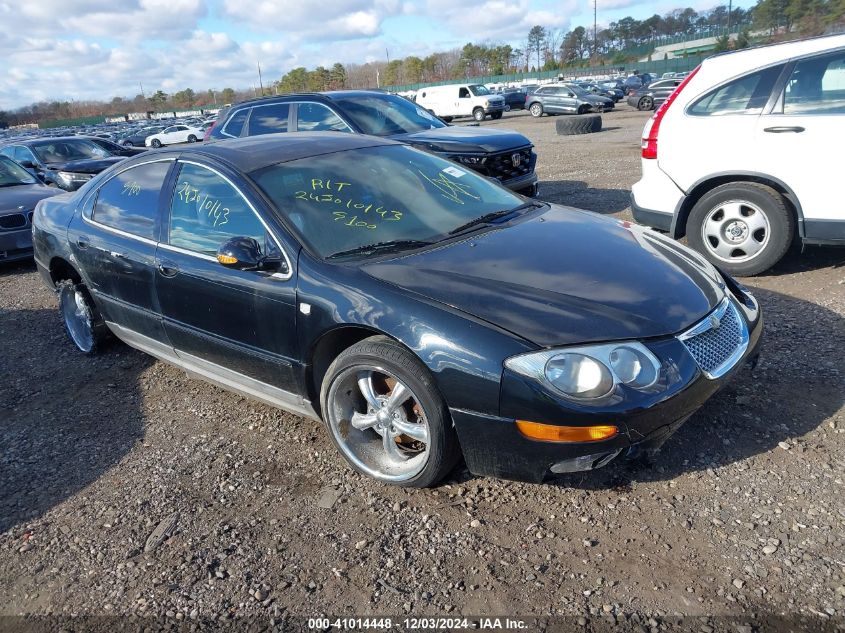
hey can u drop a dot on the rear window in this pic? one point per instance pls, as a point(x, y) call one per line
point(235, 125)
point(745, 95)
point(129, 200)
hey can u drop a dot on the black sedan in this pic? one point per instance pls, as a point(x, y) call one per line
point(116, 149)
point(67, 162)
point(19, 192)
point(421, 311)
point(653, 95)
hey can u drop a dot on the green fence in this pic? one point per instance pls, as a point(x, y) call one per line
point(657, 67)
point(84, 120)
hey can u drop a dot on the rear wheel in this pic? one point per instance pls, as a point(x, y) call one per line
point(741, 227)
point(646, 103)
point(536, 109)
point(478, 114)
point(155, 143)
point(386, 417)
point(192, 138)
point(83, 323)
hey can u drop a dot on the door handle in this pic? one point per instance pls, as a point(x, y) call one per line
point(83, 242)
point(167, 269)
point(783, 128)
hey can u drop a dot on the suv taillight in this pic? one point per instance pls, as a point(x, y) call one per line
point(649, 143)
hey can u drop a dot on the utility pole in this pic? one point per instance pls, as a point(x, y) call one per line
point(730, 9)
point(142, 90)
point(595, 29)
point(260, 83)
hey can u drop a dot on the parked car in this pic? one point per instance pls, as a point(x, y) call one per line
point(631, 84)
point(507, 156)
point(456, 100)
point(174, 134)
point(19, 191)
point(745, 155)
point(67, 162)
point(115, 149)
point(609, 93)
point(565, 99)
point(514, 99)
point(420, 310)
point(137, 138)
point(653, 95)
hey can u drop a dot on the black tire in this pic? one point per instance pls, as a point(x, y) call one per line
point(495, 116)
point(192, 138)
point(579, 124)
point(127, 143)
point(155, 143)
point(83, 323)
point(750, 198)
point(583, 109)
point(536, 109)
point(382, 352)
point(507, 108)
point(646, 103)
point(478, 114)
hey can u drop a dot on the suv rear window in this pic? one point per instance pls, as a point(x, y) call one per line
point(817, 86)
point(235, 125)
point(745, 95)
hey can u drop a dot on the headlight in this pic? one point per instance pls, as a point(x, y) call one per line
point(592, 372)
point(486, 104)
point(70, 178)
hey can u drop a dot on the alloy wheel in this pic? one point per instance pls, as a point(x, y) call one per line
point(378, 423)
point(735, 231)
point(78, 321)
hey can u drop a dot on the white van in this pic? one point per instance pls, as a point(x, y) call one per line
point(461, 100)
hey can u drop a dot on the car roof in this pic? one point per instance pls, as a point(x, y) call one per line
point(254, 152)
point(293, 96)
point(45, 140)
point(759, 56)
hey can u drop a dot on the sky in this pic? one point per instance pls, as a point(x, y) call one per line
point(98, 49)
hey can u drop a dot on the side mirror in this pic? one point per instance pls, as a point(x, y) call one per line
point(26, 164)
point(244, 253)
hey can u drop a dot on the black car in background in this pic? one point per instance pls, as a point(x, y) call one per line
point(514, 99)
point(137, 138)
point(502, 154)
point(116, 149)
point(653, 95)
point(67, 162)
point(420, 310)
point(19, 192)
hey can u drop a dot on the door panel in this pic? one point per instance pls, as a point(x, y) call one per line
point(244, 321)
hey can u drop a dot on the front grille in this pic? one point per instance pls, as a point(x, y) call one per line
point(501, 165)
point(12, 221)
point(718, 341)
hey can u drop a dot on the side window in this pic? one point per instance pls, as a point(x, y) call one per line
point(463, 93)
point(21, 153)
point(269, 119)
point(8, 151)
point(129, 201)
point(745, 95)
point(816, 86)
point(235, 125)
point(315, 117)
point(206, 210)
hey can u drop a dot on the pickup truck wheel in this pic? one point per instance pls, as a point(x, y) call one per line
point(478, 114)
point(386, 417)
point(579, 124)
point(742, 227)
point(80, 316)
point(536, 109)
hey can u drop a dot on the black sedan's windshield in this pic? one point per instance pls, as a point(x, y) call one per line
point(62, 151)
point(340, 203)
point(12, 174)
point(386, 115)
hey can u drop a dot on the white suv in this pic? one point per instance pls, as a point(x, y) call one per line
point(748, 152)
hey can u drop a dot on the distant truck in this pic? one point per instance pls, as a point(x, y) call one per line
point(457, 100)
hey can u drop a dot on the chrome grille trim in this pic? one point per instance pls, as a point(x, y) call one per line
point(719, 340)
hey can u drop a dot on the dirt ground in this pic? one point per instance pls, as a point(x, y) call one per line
point(743, 514)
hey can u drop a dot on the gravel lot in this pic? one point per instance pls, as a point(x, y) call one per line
point(742, 515)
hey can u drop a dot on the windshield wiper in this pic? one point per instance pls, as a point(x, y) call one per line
point(380, 247)
point(495, 215)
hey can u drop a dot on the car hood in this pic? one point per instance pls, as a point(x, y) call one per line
point(25, 196)
point(454, 138)
point(564, 277)
point(86, 166)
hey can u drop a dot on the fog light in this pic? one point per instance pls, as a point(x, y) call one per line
point(555, 433)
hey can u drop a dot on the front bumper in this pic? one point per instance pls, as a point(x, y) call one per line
point(15, 244)
point(493, 446)
point(527, 183)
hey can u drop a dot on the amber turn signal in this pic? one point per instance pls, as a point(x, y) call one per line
point(554, 433)
point(226, 259)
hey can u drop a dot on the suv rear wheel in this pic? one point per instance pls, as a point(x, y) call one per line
point(741, 227)
point(536, 109)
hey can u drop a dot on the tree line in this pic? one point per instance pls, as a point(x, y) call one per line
point(542, 49)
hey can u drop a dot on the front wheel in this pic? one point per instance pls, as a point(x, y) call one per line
point(386, 417)
point(192, 138)
point(478, 114)
point(155, 143)
point(536, 109)
point(507, 108)
point(646, 103)
point(583, 109)
point(80, 316)
point(741, 227)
